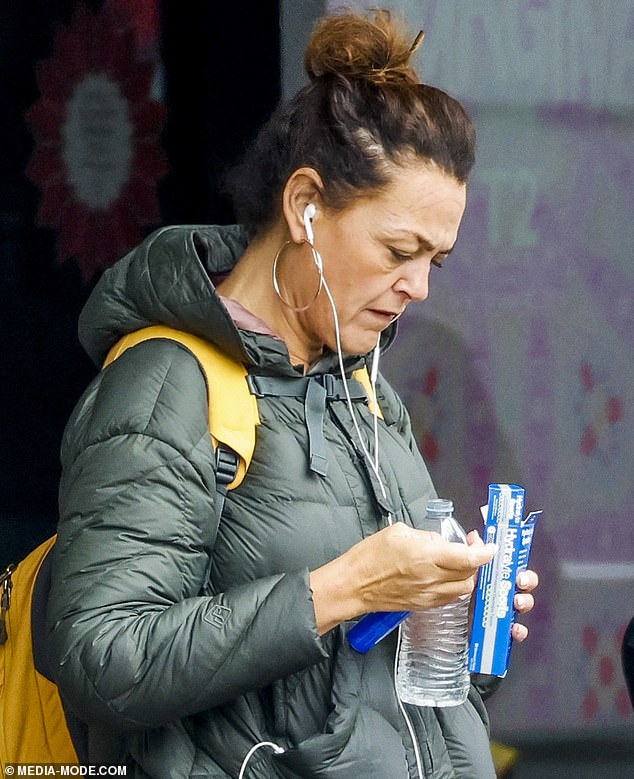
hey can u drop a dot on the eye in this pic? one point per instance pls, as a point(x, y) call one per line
point(439, 259)
point(400, 256)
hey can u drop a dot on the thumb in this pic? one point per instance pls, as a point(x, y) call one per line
point(466, 559)
point(480, 554)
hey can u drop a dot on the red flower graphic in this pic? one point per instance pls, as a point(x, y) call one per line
point(600, 412)
point(97, 156)
point(606, 691)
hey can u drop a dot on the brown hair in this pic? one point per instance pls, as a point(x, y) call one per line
point(363, 112)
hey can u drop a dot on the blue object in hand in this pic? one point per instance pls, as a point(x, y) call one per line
point(374, 627)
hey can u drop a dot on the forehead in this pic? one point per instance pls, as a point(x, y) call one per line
point(418, 197)
point(421, 185)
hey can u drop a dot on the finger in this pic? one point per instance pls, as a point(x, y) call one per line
point(474, 538)
point(527, 581)
point(479, 554)
point(523, 602)
point(519, 632)
point(461, 562)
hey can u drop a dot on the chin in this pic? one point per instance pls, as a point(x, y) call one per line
point(361, 343)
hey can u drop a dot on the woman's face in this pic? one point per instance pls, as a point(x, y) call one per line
point(378, 253)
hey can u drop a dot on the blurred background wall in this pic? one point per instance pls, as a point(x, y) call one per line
point(119, 116)
point(116, 116)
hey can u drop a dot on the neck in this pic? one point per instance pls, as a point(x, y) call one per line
point(251, 284)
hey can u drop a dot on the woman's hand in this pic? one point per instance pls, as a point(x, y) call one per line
point(397, 569)
point(524, 601)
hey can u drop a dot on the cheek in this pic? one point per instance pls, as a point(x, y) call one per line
point(350, 291)
point(352, 268)
point(352, 276)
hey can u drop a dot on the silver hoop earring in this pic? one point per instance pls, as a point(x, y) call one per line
point(276, 286)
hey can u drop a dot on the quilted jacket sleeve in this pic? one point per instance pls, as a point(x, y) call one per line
point(133, 643)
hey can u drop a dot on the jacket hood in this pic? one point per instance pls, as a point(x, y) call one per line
point(167, 280)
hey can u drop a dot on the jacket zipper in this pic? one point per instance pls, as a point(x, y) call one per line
point(406, 717)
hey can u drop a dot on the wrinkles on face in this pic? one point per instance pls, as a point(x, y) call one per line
point(379, 251)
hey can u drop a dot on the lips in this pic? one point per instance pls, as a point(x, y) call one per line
point(388, 313)
point(385, 316)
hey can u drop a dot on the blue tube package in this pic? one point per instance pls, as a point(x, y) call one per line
point(494, 614)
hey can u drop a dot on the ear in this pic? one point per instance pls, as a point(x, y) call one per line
point(303, 187)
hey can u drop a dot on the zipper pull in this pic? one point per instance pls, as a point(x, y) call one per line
point(5, 600)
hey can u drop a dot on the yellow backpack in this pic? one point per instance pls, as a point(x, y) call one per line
point(33, 725)
point(33, 728)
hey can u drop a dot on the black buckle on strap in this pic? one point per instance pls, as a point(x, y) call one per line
point(226, 466)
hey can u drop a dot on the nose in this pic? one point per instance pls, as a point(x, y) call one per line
point(413, 279)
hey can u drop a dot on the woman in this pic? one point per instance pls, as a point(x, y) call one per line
point(349, 197)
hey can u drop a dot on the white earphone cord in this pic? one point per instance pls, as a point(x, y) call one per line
point(278, 750)
point(374, 463)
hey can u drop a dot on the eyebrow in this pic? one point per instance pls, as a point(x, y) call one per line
point(426, 244)
point(423, 242)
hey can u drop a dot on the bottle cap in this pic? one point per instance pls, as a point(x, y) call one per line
point(439, 507)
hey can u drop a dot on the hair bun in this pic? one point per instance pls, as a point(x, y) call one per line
point(371, 47)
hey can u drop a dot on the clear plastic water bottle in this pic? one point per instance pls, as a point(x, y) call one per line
point(434, 648)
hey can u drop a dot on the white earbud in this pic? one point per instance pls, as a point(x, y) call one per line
point(309, 213)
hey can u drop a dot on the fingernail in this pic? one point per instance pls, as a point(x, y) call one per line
point(522, 580)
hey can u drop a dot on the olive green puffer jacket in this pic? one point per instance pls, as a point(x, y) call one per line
point(174, 683)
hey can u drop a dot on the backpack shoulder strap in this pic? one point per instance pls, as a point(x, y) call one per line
point(233, 410)
point(363, 377)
